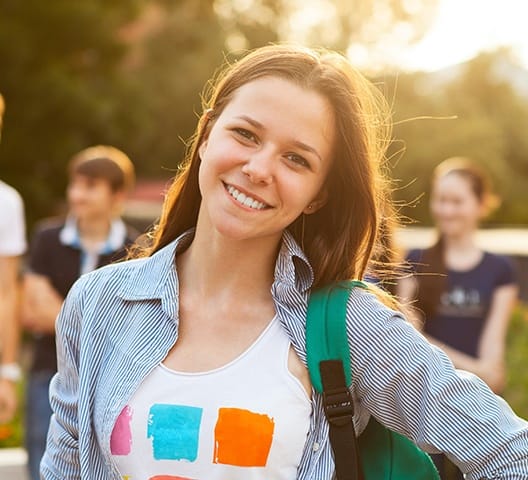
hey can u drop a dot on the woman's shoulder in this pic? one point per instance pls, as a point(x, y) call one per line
point(376, 332)
point(497, 258)
point(502, 266)
point(143, 277)
point(107, 280)
point(366, 310)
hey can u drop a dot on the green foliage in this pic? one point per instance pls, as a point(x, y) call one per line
point(516, 392)
point(63, 89)
point(12, 433)
point(178, 60)
point(75, 74)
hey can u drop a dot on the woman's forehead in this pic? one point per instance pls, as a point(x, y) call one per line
point(275, 102)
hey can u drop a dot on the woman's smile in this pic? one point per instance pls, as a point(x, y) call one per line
point(244, 199)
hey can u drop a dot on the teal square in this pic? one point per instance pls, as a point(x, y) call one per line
point(175, 431)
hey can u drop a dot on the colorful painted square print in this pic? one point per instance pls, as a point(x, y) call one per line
point(174, 430)
point(242, 438)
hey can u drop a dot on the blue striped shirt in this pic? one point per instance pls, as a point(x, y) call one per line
point(120, 321)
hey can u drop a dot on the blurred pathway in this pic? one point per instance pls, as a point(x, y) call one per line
point(13, 464)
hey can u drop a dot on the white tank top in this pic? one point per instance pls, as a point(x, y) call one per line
point(247, 420)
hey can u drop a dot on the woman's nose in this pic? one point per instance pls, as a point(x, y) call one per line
point(259, 166)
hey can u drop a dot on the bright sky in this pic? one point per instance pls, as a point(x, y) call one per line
point(462, 28)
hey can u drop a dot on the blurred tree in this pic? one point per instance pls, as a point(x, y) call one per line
point(59, 75)
point(170, 63)
point(365, 25)
point(130, 74)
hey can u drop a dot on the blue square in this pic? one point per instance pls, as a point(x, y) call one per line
point(175, 431)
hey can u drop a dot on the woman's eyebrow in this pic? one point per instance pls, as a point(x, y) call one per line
point(307, 148)
point(251, 121)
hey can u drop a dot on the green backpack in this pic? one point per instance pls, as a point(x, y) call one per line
point(378, 453)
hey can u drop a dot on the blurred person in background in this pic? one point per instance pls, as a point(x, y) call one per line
point(464, 295)
point(92, 235)
point(12, 246)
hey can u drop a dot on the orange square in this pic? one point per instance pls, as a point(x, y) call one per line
point(242, 438)
point(168, 477)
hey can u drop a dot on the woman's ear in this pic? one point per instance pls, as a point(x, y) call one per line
point(317, 203)
point(202, 148)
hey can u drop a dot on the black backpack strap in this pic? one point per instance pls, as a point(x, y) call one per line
point(339, 411)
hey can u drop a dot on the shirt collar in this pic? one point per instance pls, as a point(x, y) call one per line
point(156, 276)
point(69, 235)
point(292, 266)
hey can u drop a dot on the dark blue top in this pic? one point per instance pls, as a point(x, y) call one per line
point(464, 305)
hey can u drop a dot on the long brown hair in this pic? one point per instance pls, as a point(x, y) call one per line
point(432, 270)
point(337, 239)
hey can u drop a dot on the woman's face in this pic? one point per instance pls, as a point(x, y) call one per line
point(265, 159)
point(455, 207)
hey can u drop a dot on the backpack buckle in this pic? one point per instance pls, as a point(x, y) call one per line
point(338, 406)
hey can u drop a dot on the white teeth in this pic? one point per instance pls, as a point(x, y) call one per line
point(244, 199)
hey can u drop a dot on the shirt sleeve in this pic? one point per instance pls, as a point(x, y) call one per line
point(507, 271)
point(412, 388)
point(12, 225)
point(61, 458)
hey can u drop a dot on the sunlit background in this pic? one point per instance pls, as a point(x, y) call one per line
point(463, 28)
point(129, 73)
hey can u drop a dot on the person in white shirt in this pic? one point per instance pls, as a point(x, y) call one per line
point(12, 246)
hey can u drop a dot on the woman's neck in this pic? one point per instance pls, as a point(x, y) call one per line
point(462, 252)
point(465, 242)
point(214, 265)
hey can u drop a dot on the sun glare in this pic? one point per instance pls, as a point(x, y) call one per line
point(459, 31)
point(465, 27)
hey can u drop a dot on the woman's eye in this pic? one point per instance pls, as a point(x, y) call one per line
point(242, 132)
point(298, 160)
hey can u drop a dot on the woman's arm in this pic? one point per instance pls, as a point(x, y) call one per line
point(492, 344)
point(61, 459)
point(413, 388)
point(489, 364)
point(406, 293)
point(9, 333)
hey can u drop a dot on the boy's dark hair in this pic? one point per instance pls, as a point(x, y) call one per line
point(106, 162)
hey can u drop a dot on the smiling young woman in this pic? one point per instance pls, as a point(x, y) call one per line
point(267, 145)
point(190, 360)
